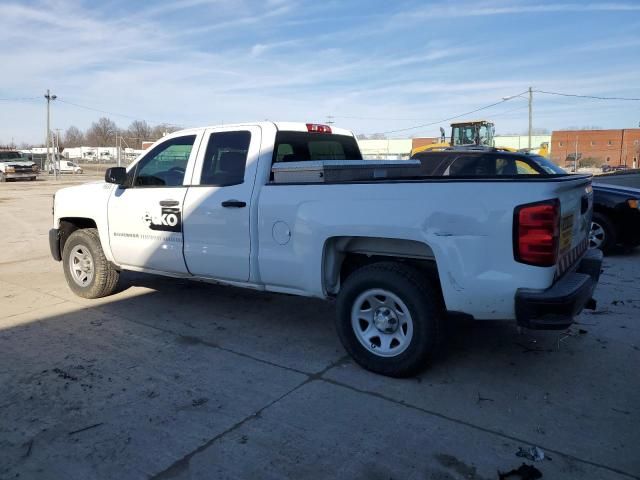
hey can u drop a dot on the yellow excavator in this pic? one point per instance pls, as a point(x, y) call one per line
point(479, 133)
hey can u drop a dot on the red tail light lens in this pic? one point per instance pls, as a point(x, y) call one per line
point(317, 128)
point(536, 231)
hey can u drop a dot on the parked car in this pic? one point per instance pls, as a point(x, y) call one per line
point(293, 208)
point(14, 165)
point(616, 217)
point(623, 178)
point(613, 168)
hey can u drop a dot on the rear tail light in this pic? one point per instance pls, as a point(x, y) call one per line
point(317, 128)
point(536, 233)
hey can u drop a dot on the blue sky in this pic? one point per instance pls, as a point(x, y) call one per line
point(376, 66)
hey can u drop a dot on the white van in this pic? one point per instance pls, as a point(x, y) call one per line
point(66, 166)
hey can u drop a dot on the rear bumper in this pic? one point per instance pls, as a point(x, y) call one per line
point(554, 308)
point(54, 244)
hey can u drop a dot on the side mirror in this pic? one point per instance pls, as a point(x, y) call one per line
point(117, 175)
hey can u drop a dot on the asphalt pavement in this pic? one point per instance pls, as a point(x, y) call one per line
point(172, 379)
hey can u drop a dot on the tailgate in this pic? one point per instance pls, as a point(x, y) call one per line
point(576, 203)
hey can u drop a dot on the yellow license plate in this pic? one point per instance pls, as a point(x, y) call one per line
point(566, 233)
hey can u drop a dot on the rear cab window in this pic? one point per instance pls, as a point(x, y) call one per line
point(305, 146)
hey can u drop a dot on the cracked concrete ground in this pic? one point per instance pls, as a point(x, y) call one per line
point(180, 380)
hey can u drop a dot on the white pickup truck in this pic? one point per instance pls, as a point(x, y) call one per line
point(14, 165)
point(236, 205)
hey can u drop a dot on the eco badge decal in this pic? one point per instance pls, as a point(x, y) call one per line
point(166, 219)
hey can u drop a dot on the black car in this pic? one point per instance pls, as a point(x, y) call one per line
point(616, 217)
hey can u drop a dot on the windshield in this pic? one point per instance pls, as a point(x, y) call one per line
point(464, 135)
point(547, 165)
point(8, 156)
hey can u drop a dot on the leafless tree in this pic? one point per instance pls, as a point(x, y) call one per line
point(102, 133)
point(378, 136)
point(73, 137)
point(538, 131)
point(138, 132)
point(162, 129)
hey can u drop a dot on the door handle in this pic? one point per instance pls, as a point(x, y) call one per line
point(234, 203)
point(169, 203)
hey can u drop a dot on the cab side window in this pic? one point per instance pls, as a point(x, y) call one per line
point(166, 164)
point(225, 159)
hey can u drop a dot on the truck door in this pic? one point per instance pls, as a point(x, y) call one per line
point(217, 208)
point(145, 218)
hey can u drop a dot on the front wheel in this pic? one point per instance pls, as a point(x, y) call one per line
point(389, 318)
point(89, 274)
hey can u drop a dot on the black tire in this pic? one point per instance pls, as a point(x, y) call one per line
point(105, 276)
point(33, 179)
point(609, 235)
point(419, 296)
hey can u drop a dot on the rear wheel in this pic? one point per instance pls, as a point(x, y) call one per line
point(602, 234)
point(89, 274)
point(389, 318)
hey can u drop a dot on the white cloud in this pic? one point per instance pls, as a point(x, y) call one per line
point(261, 60)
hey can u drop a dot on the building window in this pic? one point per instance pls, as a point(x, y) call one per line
point(560, 144)
point(610, 142)
point(608, 159)
point(592, 143)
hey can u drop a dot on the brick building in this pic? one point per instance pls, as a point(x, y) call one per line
point(615, 147)
point(422, 141)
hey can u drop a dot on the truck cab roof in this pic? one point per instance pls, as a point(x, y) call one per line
point(280, 126)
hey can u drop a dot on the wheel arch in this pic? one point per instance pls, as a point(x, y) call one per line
point(68, 225)
point(345, 254)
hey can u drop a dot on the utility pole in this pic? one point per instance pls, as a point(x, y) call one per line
point(49, 98)
point(56, 148)
point(530, 115)
point(575, 159)
point(117, 149)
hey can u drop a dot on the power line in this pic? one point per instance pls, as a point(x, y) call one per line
point(455, 116)
point(111, 113)
point(594, 97)
point(97, 109)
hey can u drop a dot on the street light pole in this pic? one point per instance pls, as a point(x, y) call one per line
point(530, 115)
point(50, 97)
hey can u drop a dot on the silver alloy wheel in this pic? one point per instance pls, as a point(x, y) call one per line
point(597, 235)
point(382, 322)
point(81, 265)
